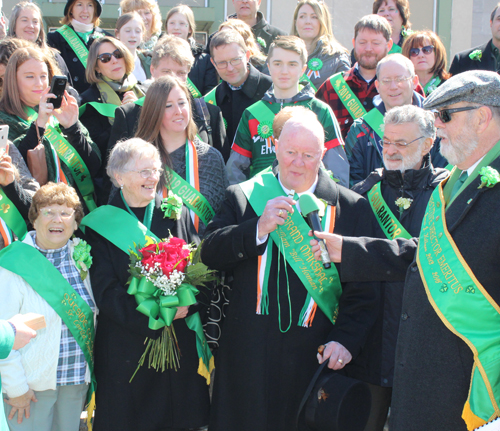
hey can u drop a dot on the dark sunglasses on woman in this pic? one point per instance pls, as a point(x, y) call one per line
point(106, 56)
point(425, 49)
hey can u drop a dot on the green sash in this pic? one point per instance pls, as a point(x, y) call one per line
point(375, 120)
point(346, 96)
point(105, 109)
point(191, 197)
point(75, 43)
point(11, 216)
point(71, 159)
point(304, 77)
point(124, 231)
point(388, 222)
point(432, 85)
point(210, 96)
point(48, 282)
point(192, 88)
point(265, 116)
point(396, 49)
point(293, 239)
point(140, 102)
point(464, 306)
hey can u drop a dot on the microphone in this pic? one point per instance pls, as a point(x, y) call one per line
point(309, 207)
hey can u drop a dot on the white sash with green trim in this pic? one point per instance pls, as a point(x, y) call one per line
point(465, 307)
point(292, 239)
point(346, 96)
point(388, 222)
point(75, 43)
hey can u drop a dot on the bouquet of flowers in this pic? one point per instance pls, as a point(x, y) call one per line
point(164, 276)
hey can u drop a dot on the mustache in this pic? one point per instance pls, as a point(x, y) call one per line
point(394, 157)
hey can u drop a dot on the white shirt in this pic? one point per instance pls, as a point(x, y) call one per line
point(139, 71)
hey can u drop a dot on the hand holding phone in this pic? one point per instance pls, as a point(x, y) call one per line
point(57, 88)
point(4, 134)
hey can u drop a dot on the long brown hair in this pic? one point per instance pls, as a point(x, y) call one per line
point(11, 102)
point(150, 120)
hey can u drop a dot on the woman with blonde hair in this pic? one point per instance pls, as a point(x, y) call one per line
point(202, 76)
point(199, 169)
point(150, 13)
point(428, 54)
point(130, 30)
point(257, 58)
point(80, 28)
point(326, 57)
point(112, 83)
point(26, 108)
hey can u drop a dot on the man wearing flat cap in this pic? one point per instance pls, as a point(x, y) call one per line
point(447, 372)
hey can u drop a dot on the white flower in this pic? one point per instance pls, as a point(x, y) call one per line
point(403, 203)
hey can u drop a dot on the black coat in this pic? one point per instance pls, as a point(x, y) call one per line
point(233, 103)
point(263, 373)
point(154, 401)
point(376, 363)
point(203, 73)
point(433, 366)
point(462, 62)
point(75, 66)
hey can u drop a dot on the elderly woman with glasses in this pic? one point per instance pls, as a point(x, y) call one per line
point(151, 401)
point(428, 54)
point(46, 383)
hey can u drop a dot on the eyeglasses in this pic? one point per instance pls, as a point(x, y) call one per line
point(445, 114)
point(414, 52)
point(234, 62)
point(386, 143)
point(106, 57)
point(386, 82)
point(51, 214)
point(147, 173)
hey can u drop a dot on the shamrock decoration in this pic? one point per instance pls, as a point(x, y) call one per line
point(406, 32)
point(4, 208)
point(172, 206)
point(476, 55)
point(82, 257)
point(315, 64)
point(261, 42)
point(403, 203)
point(265, 129)
point(489, 177)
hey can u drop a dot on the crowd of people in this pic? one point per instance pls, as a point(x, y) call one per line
point(226, 146)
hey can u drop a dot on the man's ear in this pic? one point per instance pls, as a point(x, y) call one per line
point(427, 146)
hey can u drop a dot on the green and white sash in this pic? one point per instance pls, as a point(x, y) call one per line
point(464, 306)
point(292, 239)
point(11, 220)
point(388, 222)
point(192, 88)
point(64, 151)
point(346, 96)
point(75, 43)
point(125, 231)
point(48, 282)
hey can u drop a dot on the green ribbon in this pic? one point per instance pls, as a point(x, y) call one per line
point(293, 239)
point(304, 77)
point(396, 49)
point(48, 282)
point(455, 294)
point(375, 120)
point(140, 102)
point(11, 216)
point(105, 109)
point(388, 222)
point(346, 96)
point(192, 88)
point(210, 96)
point(432, 85)
point(75, 43)
point(265, 116)
point(315, 64)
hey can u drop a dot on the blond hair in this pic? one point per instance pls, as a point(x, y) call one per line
point(188, 13)
point(175, 48)
point(134, 5)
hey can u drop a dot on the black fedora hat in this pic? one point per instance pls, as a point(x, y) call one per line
point(334, 402)
point(69, 3)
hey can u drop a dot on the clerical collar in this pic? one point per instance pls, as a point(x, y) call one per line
point(310, 190)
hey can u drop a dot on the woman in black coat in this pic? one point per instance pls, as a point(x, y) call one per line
point(152, 401)
point(180, 22)
point(80, 23)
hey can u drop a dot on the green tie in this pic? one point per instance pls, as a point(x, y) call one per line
point(456, 187)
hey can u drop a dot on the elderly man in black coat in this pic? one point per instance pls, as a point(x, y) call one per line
point(442, 342)
point(267, 357)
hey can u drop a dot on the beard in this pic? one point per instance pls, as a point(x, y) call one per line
point(406, 163)
point(368, 61)
point(460, 148)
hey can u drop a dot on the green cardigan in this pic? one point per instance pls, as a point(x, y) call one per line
point(6, 344)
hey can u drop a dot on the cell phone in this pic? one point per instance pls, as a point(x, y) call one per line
point(4, 135)
point(57, 87)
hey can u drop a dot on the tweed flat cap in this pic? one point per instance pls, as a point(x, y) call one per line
point(475, 86)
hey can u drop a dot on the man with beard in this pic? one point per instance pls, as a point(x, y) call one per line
point(350, 93)
point(446, 374)
point(396, 82)
point(398, 196)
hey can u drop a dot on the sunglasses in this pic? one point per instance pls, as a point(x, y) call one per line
point(445, 114)
point(414, 52)
point(106, 57)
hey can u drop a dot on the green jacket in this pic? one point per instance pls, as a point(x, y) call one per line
point(6, 344)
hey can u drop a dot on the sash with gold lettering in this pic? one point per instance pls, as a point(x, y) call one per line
point(48, 282)
point(388, 222)
point(346, 96)
point(192, 89)
point(75, 43)
point(189, 191)
point(465, 307)
point(292, 239)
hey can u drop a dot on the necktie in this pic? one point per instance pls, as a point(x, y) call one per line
point(461, 179)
